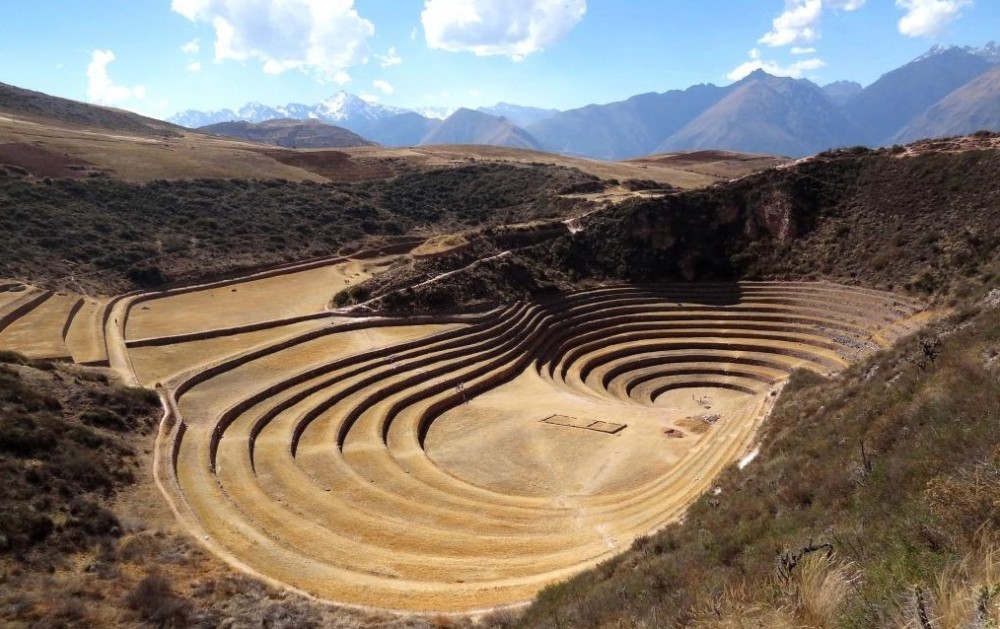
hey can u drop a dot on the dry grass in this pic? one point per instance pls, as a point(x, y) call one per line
point(440, 245)
point(823, 585)
point(966, 594)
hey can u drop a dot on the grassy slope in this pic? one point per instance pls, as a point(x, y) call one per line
point(38, 105)
point(923, 495)
point(110, 234)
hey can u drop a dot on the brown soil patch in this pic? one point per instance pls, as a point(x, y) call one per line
point(42, 162)
point(694, 425)
point(336, 166)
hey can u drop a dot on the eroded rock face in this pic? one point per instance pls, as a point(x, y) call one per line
point(776, 214)
point(658, 234)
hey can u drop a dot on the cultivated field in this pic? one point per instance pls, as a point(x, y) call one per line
point(448, 463)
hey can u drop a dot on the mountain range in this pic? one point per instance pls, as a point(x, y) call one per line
point(947, 91)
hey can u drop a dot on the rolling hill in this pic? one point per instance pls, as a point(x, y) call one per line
point(467, 126)
point(289, 133)
point(16, 100)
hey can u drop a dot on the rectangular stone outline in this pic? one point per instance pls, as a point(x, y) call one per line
point(608, 428)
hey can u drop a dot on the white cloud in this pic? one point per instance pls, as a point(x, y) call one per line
point(845, 5)
point(515, 28)
point(383, 86)
point(320, 37)
point(800, 21)
point(100, 88)
point(796, 50)
point(390, 58)
point(795, 70)
point(928, 17)
point(194, 66)
point(192, 47)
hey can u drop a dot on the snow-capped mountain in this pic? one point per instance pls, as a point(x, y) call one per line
point(343, 109)
point(990, 52)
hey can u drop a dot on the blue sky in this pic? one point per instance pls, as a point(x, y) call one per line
point(162, 56)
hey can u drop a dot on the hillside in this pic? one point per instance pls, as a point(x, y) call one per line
point(970, 108)
point(110, 235)
point(39, 147)
point(24, 102)
point(467, 126)
point(289, 133)
point(924, 222)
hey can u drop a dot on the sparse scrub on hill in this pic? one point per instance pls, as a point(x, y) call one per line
point(927, 224)
point(895, 464)
point(113, 236)
point(63, 451)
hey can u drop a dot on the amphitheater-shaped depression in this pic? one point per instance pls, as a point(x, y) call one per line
point(458, 463)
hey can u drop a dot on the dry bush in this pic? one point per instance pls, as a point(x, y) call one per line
point(739, 608)
point(966, 595)
point(499, 619)
point(823, 585)
point(155, 602)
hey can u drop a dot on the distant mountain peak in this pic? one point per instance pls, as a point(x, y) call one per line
point(468, 126)
point(342, 108)
point(345, 106)
point(990, 52)
point(520, 115)
point(840, 92)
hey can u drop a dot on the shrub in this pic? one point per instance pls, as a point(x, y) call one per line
point(103, 418)
point(155, 602)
